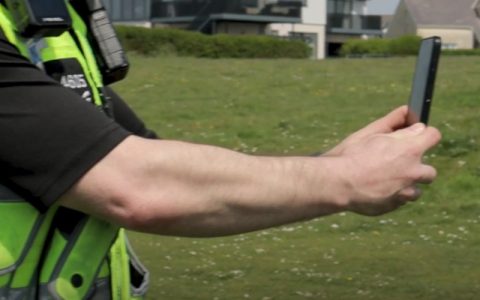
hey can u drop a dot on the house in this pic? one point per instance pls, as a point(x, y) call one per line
point(297, 19)
point(455, 21)
point(208, 16)
point(350, 19)
point(323, 24)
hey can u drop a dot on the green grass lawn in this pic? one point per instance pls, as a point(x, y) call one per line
point(427, 250)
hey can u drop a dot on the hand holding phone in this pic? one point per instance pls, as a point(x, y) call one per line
point(424, 81)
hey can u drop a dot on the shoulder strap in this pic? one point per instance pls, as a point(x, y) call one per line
point(9, 34)
point(2, 35)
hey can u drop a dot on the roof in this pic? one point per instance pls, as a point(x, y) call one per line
point(444, 13)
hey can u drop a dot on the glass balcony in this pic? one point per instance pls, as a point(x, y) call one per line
point(354, 22)
point(128, 10)
point(193, 8)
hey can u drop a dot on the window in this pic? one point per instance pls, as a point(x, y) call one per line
point(449, 46)
point(340, 13)
point(340, 6)
point(139, 10)
point(116, 11)
point(127, 10)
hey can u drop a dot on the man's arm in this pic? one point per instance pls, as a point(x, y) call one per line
point(175, 188)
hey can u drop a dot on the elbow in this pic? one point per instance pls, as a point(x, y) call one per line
point(138, 211)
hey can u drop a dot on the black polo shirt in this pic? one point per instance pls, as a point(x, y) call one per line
point(50, 136)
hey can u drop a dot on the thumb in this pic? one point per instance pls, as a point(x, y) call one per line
point(411, 131)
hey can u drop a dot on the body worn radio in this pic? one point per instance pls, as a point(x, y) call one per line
point(48, 18)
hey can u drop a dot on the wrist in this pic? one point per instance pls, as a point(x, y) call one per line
point(332, 187)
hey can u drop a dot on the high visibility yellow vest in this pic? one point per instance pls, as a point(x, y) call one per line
point(38, 258)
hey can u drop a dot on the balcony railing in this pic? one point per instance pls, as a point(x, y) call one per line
point(193, 8)
point(354, 22)
point(123, 10)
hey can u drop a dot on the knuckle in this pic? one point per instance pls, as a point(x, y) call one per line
point(414, 176)
point(435, 134)
point(434, 173)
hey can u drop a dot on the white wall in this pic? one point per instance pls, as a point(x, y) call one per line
point(315, 12)
point(317, 29)
point(452, 37)
point(314, 21)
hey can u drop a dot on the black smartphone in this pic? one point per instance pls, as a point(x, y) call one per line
point(424, 80)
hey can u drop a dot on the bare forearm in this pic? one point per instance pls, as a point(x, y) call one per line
point(197, 190)
point(217, 191)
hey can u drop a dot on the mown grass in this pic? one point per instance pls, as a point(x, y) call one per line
point(427, 250)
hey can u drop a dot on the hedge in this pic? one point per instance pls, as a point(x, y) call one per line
point(461, 52)
point(405, 45)
point(154, 41)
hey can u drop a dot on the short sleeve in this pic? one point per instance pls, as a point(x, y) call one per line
point(126, 117)
point(50, 136)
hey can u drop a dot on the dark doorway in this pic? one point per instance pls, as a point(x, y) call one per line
point(334, 49)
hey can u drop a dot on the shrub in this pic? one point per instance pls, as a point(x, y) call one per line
point(186, 43)
point(373, 47)
point(461, 52)
point(405, 45)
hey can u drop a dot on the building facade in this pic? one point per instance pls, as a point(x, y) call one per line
point(350, 19)
point(456, 22)
point(208, 16)
point(323, 24)
point(311, 28)
point(297, 19)
point(135, 12)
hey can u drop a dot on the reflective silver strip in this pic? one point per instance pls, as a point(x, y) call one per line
point(101, 290)
point(6, 195)
point(140, 271)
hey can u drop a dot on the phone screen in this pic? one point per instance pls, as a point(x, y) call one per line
point(424, 80)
